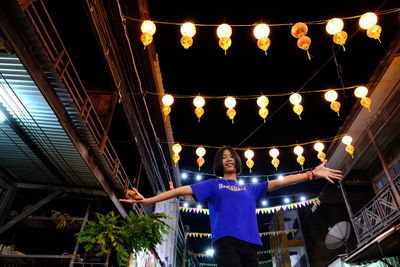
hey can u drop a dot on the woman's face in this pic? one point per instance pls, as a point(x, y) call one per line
point(228, 161)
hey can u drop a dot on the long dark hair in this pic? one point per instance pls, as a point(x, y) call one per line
point(219, 167)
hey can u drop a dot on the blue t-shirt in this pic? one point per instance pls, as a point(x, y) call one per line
point(232, 208)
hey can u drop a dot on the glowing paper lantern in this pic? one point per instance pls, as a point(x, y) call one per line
point(319, 147)
point(304, 43)
point(361, 92)
point(177, 148)
point(200, 152)
point(261, 32)
point(349, 147)
point(334, 26)
point(295, 99)
point(224, 32)
point(188, 30)
point(263, 102)
point(199, 102)
point(368, 20)
point(148, 29)
point(249, 154)
point(230, 103)
point(298, 150)
point(331, 96)
point(274, 153)
point(299, 29)
point(375, 32)
point(167, 100)
point(340, 38)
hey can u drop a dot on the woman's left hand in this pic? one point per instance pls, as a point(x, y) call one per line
point(323, 172)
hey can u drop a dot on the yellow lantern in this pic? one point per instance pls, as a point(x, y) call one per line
point(177, 148)
point(340, 38)
point(224, 32)
point(349, 147)
point(261, 32)
point(230, 103)
point(188, 30)
point(319, 147)
point(263, 102)
point(298, 150)
point(299, 30)
point(295, 99)
point(148, 29)
point(249, 154)
point(167, 100)
point(200, 152)
point(361, 92)
point(334, 26)
point(368, 20)
point(199, 102)
point(304, 43)
point(375, 32)
point(274, 153)
point(331, 96)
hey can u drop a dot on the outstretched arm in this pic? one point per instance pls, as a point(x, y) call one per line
point(138, 198)
point(319, 172)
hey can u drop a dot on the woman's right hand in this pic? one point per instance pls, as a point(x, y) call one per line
point(133, 196)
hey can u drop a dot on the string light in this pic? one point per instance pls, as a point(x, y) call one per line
point(177, 148)
point(167, 101)
point(349, 147)
point(200, 152)
point(148, 29)
point(263, 102)
point(298, 150)
point(274, 153)
point(295, 99)
point(188, 30)
point(261, 32)
point(319, 147)
point(224, 32)
point(368, 22)
point(199, 103)
point(331, 96)
point(249, 154)
point(361, 92)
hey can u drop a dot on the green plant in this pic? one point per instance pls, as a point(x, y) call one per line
point(111, 233)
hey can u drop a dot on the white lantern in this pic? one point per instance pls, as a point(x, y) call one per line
point(261, 31)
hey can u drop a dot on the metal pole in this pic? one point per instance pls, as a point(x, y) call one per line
point(349, 210)
point(85, 220)
point(385, 168)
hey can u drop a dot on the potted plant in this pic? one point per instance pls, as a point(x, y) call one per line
point(111, 233)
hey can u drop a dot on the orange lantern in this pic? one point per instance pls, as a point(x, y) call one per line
point(148, 29)
point(230, 103)
point(263, 102)
point(199, 102)
point(361, 92)
point(167, 100)
point(299, 30)
point(340, 38)
point(224, 32)
point(346, 139)
point(200, 152)
point(295, 99)
point(319, 147)
point(188, 30)
point(298, 150)
point(249, 154)
point(331, 96)
point(177, 148)
point(304, 43)
point(261, 32)
point(375, 32)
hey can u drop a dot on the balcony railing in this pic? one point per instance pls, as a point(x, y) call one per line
point(378, 214)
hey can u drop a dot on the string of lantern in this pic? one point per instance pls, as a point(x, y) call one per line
point(261, 31)
point(273, 151)
point(262, 234)
point(314, 201)
point(262, 101)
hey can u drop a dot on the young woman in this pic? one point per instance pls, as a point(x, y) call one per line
point(235, 235)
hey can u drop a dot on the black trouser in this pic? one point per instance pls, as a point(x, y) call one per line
point(233, 252)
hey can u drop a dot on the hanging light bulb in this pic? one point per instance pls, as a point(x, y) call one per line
point(295, 99)
point(199, 102)
point(349, 147)
point(361, 92)
point(224, 32)
point(230, 103)
point(334, 25)
point(274, 153)
point(148, 29)
point(188, 30)
point(368, 20)
point(319, 147)
point(167, 100)
point(263, 102)
point(249, 154)
point(177, 148)
point(331, 96)
point(298, 150)
point(261, 32)
point(200, 152)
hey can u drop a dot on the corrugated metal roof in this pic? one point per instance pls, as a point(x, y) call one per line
point(33, 115)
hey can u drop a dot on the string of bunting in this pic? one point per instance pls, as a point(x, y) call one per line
point(262, 234)
point(215, 265)
point(315, 201)
point(269, 251)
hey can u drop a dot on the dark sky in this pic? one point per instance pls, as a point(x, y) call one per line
point(245, 70)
